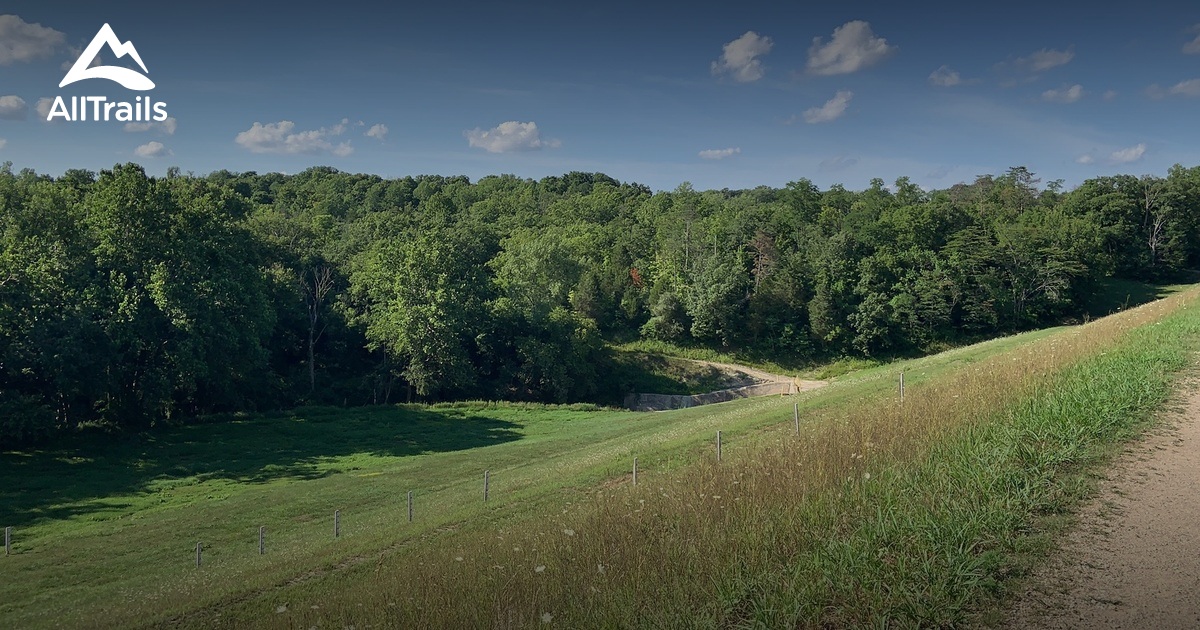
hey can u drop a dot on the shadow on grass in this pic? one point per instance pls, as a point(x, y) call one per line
point(60, 481)
point(1114, 294)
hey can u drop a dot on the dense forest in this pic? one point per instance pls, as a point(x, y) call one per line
point(127, 300)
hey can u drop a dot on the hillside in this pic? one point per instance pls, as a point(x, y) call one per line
point(105, 529)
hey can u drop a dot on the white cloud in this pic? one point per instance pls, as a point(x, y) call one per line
point(1110, 95)
point(510, 136)
point(3, 142)
point(152, 150)
point(719, 154)
point(1131, 154)
point(1085, 159)
point(853, 47)
point(13, 108)
point(43, 107)
point(739, 58)
point(1045, 59)
point(945, 77)
point(831, 110)
point(378, 131)
point(22, 41)
point(1064, 95)
point(837, 163)
point(281, 137)
point(1193, 47)
point(1191, 87)
point(167, 126)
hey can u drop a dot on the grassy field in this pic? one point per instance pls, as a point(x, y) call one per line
point(917, 512)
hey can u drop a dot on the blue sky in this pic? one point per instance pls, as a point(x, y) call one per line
point(726, 95)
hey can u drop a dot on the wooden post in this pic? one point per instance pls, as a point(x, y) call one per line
point(901, 385)
point(199, 549)
point(337, 523)
point(262, 539)
point(410, 506)
point(718, 446)
point(7, 540)
point(635, 471)
point(486, 479)
point(796, 417)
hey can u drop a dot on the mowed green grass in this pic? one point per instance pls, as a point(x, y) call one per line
point(105, 528)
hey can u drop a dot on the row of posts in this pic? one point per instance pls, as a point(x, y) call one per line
point(487, 475)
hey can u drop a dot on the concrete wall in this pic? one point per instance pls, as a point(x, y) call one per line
point(662, 402)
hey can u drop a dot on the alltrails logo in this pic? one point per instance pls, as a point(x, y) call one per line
point(143, 109)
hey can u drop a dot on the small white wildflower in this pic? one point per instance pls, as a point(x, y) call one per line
point(458, 558)
point(569, 532)
point(282, 608)
point(867, 476)
point(539, 568)
point(546, 617)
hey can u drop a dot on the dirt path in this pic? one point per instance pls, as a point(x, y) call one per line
point(1134, 559)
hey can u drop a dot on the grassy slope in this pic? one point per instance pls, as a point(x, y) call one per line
point(878, 514)
point(106, 538)
point(660, 374)
point(105, 528)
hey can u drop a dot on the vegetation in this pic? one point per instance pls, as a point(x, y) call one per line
point(128, 300)
point(915, 514)
point(941, 499)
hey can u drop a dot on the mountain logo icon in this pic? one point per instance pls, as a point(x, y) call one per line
point(130, 79)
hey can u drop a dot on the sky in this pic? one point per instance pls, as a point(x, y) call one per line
point(721, 95)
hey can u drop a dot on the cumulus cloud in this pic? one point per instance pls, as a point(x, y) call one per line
point(1110, 95)
point(378, 131)
point(1064, 95)
point(831, 110)
point(719, 154)
point(1190, 87)
point(1127, 155)
point(739, 58)
point(945, 77)
point(13, 108)
point(1193, 47)
point(853, 47)
point(3, 142)
point(43, 107)
point(508, 137)
point(282, 137)
point(1045, 59)
point(22, 41)
point(1085, 159)
point(152, 150)
point(167, 126)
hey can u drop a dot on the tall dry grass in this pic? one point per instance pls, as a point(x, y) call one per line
point(880, 513)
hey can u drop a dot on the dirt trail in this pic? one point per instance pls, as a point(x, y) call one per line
point(1134, 559)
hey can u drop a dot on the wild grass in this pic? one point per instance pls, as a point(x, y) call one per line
point(660, 374)
point(877, 514)
point(787, 530)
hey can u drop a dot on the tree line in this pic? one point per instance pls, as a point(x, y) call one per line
point(127, 300)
